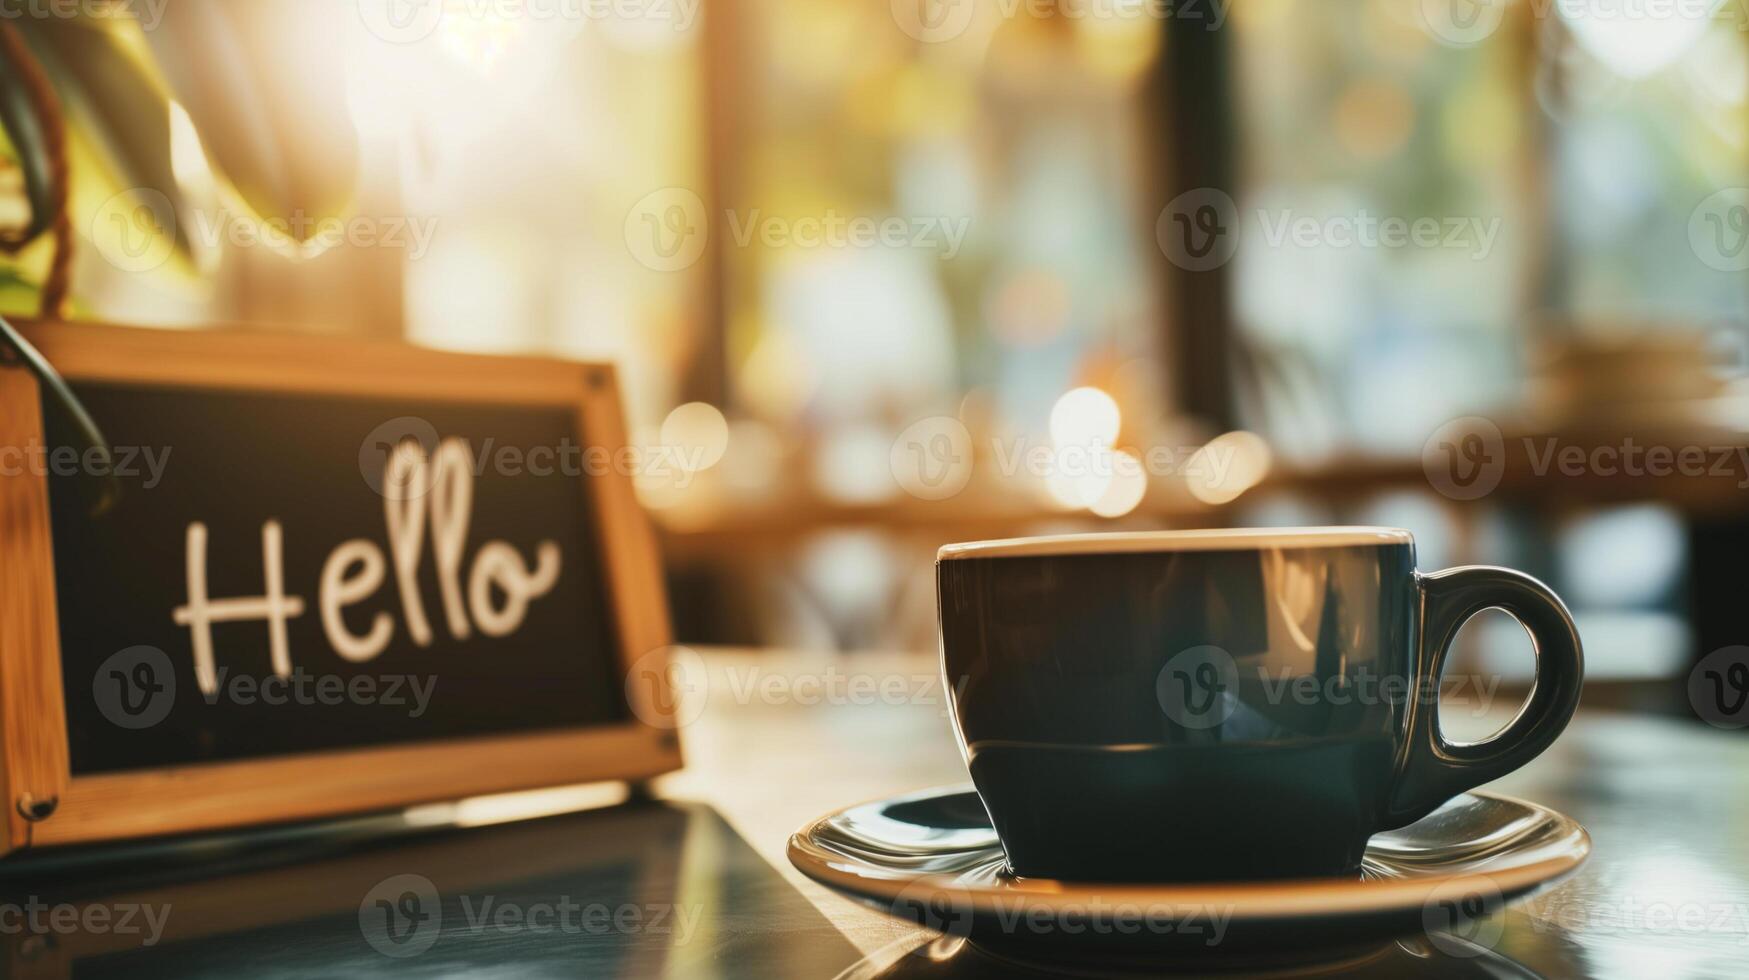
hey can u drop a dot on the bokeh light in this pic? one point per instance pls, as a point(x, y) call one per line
point(1220, 472)
point(1085, 417)
point(700, 433)
point(1126, 488)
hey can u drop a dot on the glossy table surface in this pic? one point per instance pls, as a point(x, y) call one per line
point(1665, 893)
point(695, 882)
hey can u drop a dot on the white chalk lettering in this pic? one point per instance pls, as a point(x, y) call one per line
point(200, 612)
point(338, 591)
point(420, 494)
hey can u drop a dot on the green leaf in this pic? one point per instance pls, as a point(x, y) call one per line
point(117, 102)
point(30, 146)
point(259, 80)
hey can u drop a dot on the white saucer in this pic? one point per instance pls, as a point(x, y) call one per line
point(932, 857)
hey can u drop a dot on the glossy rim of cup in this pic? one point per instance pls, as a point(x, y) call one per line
point(1211, 539)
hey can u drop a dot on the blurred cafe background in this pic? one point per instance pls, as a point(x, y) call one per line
point(884, 275)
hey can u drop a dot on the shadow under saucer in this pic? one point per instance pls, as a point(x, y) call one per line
point(952, 957)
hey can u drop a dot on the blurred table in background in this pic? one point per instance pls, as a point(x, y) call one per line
point(1514, 486)
point(1524, 474)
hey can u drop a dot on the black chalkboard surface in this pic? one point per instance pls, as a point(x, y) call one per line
point(340, 576)
point(233, 461)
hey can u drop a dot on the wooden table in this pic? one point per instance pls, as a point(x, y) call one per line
point(777, 740)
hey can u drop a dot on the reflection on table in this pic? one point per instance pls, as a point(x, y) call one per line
point(643, 889)
point(696, 884)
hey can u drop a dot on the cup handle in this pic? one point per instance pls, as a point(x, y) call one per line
point(1435, 769)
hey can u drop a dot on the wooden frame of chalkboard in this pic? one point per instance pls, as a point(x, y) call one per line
point(49, 805)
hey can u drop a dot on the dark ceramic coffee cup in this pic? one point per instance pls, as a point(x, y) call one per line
point(1222, 705)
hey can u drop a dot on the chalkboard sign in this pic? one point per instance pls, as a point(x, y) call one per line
point(340, 576)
